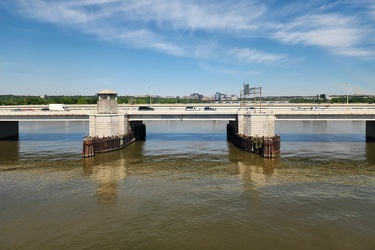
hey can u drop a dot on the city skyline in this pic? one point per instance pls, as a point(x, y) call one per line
point(174, 48)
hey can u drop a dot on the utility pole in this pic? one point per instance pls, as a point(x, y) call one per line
point(347, 95)
point(150, 96)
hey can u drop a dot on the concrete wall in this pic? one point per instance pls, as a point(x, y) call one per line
point(107, 104)
point(257, 125)
point(9, 130)
point(108, 125)
point(370, 130)
point(240, 124)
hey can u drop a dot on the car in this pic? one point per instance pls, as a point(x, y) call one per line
point(191, 108)
point(145, 108)
point(209, 108)
point(45, 109)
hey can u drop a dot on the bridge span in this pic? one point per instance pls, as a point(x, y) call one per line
point(112, 127)
point(179, 113)
point(9, 118)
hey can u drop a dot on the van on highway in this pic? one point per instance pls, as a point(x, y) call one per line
point(191, 108)
point(145, 108)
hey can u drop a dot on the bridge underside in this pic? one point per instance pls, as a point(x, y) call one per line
point(182, 117)
point(370, 130)
point(9, 130)
point(324, 117)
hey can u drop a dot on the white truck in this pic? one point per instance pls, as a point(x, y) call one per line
point(58, 107)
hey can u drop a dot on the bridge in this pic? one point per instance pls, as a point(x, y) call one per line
point(227, 112)
point(178, 112)
point(114, 126)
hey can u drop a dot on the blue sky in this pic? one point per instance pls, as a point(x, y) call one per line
point(179, 47)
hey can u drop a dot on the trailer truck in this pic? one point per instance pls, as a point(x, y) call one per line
point(58, 107)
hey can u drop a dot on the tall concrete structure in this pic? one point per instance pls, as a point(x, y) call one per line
point(107, 121)
point(109, 130)
point(107, 102)
point(256, 124)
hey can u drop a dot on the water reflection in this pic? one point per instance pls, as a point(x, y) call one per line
point(253, 169)
point(107, 169)
point(9, 151)
point(370, 152)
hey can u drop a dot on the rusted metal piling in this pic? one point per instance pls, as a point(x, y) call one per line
point(88, 148)
point(267, 147)
point(271, 146)
point(92, 145)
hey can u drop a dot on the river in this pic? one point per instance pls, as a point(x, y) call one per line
point(186, 187)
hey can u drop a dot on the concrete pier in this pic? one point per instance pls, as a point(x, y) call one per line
point(108, 125)
point(256, 124)
point(254, 133)
point(109, 130)
point(9, 130)
point(370, 130)
point(107, 122)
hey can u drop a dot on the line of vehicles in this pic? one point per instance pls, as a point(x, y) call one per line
point(63, 107)
point(188, 108)
point(51, 107)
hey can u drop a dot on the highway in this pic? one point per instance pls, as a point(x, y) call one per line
point(178, 112)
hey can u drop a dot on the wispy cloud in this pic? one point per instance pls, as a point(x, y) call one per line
point(225, 70)
point(255, 56)
point(372, 11)
point(328, 30)
point(152, 24)
point(187, 14)
point(343, 35)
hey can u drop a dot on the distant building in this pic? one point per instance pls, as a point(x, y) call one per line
point(224, 97)
point(220, 97)
point(196, 96)
point(206, 98)
point(234, 97)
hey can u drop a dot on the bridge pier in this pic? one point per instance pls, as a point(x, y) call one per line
point(103, 125)
point(256, 124)
point(109, 130)
point(370, 130)
point(254, 133)
point(9, 130)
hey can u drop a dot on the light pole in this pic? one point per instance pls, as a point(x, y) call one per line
point(150, 96)
point(347, 95)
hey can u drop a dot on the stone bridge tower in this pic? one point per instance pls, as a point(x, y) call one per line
point(107, 121)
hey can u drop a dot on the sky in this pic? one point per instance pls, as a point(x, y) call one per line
point(180, 47)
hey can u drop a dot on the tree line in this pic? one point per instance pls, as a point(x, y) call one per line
point(341, 99)
point(37, 100)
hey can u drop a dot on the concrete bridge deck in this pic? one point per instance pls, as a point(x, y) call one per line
point(179, 113)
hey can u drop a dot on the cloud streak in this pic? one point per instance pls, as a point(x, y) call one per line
point(253, 55)
point(331, 31)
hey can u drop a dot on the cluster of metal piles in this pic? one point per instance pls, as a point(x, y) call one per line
point(267, 147)
point(92, 145)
